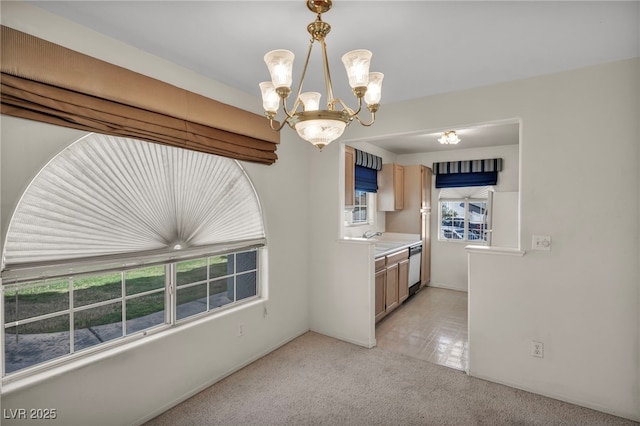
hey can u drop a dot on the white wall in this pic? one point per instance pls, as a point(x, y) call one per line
point(581, 298)
point(128, 385)
point(449, 258)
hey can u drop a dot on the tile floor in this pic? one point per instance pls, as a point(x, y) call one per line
point(431, 325)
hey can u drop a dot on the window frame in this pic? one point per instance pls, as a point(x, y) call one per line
point(170, 322)
point(466, 218)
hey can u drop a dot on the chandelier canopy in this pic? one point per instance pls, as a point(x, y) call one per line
point(319, 126)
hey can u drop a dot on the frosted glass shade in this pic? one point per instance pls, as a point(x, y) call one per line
point(310, 100)
point(357, 63)
point(320, 132)
point(374, 88)
point(280, 64)
point(270, 99)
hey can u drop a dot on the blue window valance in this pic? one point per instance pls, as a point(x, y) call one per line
point(367, 160)
point(366, 171)
point(452, 174)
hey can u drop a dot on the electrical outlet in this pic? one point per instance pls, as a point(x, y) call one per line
point(541, 242)
point(240, 329)
point(537, 349)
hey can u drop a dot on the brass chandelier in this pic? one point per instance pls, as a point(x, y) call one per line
point(319, 126)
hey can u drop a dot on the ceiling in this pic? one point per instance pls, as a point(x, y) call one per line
point(422, 47)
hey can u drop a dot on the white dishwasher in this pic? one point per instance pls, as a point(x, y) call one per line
point(415, 260)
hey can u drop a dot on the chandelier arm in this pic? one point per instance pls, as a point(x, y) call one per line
point(286, 111)
point(304, 73)
point(351, 112)
point(277, 128)
point(327, 74)
point(373, 120)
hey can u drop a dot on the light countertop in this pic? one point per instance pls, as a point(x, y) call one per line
point(388, 243)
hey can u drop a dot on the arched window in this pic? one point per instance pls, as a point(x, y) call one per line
point(116, 238)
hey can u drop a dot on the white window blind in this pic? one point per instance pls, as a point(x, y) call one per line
point(105, 196)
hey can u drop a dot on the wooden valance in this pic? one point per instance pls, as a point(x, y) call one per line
point(46, 82)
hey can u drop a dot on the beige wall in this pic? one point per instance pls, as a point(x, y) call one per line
point(139, 380)
point(449, 258)
point(581, 298)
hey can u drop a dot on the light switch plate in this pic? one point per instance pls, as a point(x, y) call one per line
point(541, 242)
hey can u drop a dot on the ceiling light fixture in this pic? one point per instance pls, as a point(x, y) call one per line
point(319, 126)
point(449, 138)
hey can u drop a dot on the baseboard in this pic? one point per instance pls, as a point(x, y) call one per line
point(216, 379)
point(367, 345)
point(630, 416)
point(448, 287)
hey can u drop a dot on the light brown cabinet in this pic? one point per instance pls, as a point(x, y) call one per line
point(349, 175)
point(403, 280)
point(391, 187)
point(415, 217)
point(391, 282)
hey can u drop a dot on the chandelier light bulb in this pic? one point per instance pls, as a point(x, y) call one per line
point(270, 99)
point(280, 65)
point(357, 64)
point(310, 100)
point(374, 88)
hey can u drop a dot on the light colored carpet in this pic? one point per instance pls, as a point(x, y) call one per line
point(317, 380)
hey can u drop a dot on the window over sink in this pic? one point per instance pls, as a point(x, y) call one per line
point(361, 214)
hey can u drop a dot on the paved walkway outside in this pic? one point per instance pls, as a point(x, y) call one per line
point(25, 350)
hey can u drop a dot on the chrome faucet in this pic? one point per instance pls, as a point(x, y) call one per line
point(367, 234)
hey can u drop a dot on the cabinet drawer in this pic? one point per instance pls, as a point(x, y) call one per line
point(397, 257)
point(381, 262)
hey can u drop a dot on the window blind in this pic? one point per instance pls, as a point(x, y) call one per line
point(453, 174)
point(46, 82)
point(106, 197)
point(366, 171)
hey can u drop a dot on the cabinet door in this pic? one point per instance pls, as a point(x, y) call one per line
point(398, 187)
point(391, 291)
point(349, 175)
point(390, 188)
point(403, 280)
point(381, 280)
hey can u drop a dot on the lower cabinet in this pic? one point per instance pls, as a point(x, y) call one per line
point(391, 282)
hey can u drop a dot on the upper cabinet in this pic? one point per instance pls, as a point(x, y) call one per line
point(391, 187)
point(349, 175)
point(417, 200)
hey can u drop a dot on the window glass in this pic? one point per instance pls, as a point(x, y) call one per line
point(246, 285)
point(36, 342)
point(360, 207)
point(452, 218)
point(96, 288)
point(44, 320)
point(145, 312)
point(191, 300)
point(245, 261)
point(221, 292)
point(220, 266)
point(32, 300)
point(145, 279)
point(191, 271)
point(477, 225)
point(463, 220)
point(96, 325)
